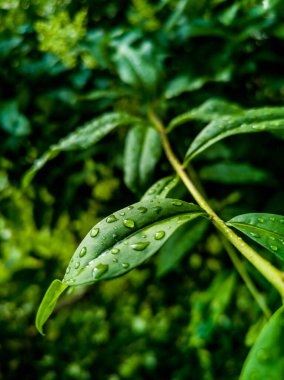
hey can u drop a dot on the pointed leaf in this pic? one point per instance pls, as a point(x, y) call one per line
point(127, 238)
point(266, 229)
point(265, 359)
point(161, 188)
point(48, 303)
point(210, 110)
point(180, 244)
point(269, 119)
point(82, 138)
point(143, 150)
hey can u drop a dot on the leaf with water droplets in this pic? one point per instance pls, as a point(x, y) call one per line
point(140, 230)
point(266, 119)
point(82, 138)
point(266, 229)
point(143, 150)
point(265, 359)
point(48, 303)
point(165, 187)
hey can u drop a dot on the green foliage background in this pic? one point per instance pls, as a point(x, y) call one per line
point(64, 63)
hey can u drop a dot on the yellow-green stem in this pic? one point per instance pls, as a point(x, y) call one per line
point(272, 274)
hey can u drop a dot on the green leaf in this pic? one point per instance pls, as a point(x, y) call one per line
point(82, 138)
point(12, 121)
point(210, 110)
point(268, 119)
point(233, 173)
point(265, 359)
point(161, 188)
point(48, 303)
point(135, 70)
point(127, 238)
point(180, 244)
point(266, 229)
point(143, 150)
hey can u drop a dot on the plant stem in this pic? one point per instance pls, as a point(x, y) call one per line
point(272, 274)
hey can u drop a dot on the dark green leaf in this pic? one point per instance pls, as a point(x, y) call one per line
point(233, 173)
point(48, 303)
point(267, 119)
point(180, 244)
point(82, 138)
point(266, 229)
point(127, 238)
point(142, 152)
point(265, 360)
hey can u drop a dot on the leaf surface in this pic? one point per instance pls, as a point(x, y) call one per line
point(265, 359)
point(266, 229)
point(267, 119)
point(82, 138)
point(127, 238)
point(48, 303)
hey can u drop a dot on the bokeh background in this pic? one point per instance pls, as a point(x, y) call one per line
point(190, 317)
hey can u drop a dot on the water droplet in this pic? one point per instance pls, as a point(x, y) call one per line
point(159, 235)
point(142, 209)
point(114, 260)
point(281, 220)
point(158, 209)
point(111, 219)
point(122, 213)
point(272, 237)
point(125, 265)
point(151, 191)
point(77, 265)
point(83, 252)
point(144, 236)
point(115, 236)
point(274, 248)
point(253, 234)
point(129, 223)
point(272, 219)
point(99, 270)
point(262, 355)
point(114, 251)
point(140, 246)
point(130, 208)
point(177, 203)
point(68, 270)
point(94, 232)
point(261, 220)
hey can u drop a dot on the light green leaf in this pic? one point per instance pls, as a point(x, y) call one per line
point(266, 229)
point(48, 303)
point(210, 110)
point(127, 238)
point(180, 244)
point(233, 173)
point(143, 150)
point(268, 119)
point(265, 359)
point(82, 138)
point(161, 188)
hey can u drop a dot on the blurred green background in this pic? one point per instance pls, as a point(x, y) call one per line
point(62, 65)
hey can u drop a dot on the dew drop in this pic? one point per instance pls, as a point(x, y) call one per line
point(114, 251)
point(158, 209)
point(140, 246)
point(94, 232)
point(68, 270)
point(99, 270)
point(272, 219)
point(177, 203)
point(130, 208)
point(144, 236)
point(83, 252)
point(262, 355)
point(281, 220)
point(159, 235)
point(125, 265)
point(274, 248)
point(151, 191)
point(142, 209)
point(114, 260)
point(253, 234)
point(77, 265)
point(129, 223)
point(122, 213)
point(261, 220)
point(272, 237)
point(111, 219)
